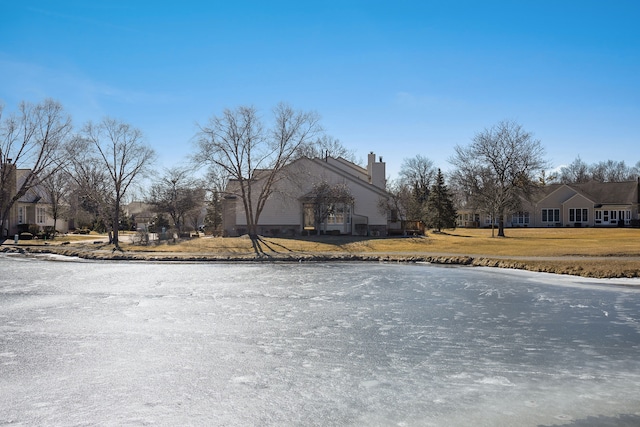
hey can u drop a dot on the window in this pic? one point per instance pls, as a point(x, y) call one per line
point(599, 215)
point(20, 215)
point(613, 215)
point(550, 215)
point(520, 218)
point(40, 215)
point(487, 220)
point(578, 215)
point(341, 214)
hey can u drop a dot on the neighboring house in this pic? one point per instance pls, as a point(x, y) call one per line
point(141, 214)
point(591, 204)
point(289, 210)
point(32, 209)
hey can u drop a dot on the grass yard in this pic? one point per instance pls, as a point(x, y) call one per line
point(519, 242)
point(590, 252)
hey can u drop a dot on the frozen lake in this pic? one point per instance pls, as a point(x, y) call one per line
point(125, 343)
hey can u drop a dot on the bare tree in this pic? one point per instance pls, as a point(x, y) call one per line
point(611, 171)
point(499, 168)
point(177, 193)
point(91, 194)
point(417, 174)
point(328, 199)
point(56, 188)
point(579, 172)
point(396, 205)
point(575, 173)
point(31, 140)
point(119, 149)
point(215, 180)
point(253, 156)
point(325, 146)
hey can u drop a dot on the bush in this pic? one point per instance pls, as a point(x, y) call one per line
point(47, 232)
point(26, 236)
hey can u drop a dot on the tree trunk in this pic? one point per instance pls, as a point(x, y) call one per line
point(114, 226)
point(493, 225)
point(501, 226)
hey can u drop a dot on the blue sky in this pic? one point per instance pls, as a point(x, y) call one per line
point(399, 78)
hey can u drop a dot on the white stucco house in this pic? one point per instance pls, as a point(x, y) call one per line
point(288, 210)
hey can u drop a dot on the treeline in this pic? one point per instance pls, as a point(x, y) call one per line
point(503, 165)
point(604, 171)
point(88, 173)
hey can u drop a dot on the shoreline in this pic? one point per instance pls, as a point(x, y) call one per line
point(573, 266)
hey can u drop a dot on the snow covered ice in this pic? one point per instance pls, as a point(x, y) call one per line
point(126, 343)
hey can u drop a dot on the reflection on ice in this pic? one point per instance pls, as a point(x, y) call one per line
point(313, 344)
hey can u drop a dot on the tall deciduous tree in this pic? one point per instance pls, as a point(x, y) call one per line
point(30, 139)
point(56, 188)
point(177, 194)
point(499, 168)
point(121, 151)
point(440, 212)
point(91, 195)
point(399, 202)
point(215, 183)
point(612, 171)
point(417, 174)
point(578, 172)
point(575, 173)
point(252, 155)
point(325, 146)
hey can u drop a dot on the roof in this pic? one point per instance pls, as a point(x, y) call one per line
point(339, 166)
point(35, 194)
point(609, 193)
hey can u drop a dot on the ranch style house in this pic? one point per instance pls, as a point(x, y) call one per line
point(591, 204)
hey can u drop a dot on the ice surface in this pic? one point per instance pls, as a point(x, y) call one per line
point(116, 343)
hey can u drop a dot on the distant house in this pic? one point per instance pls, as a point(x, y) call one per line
point(289, 210)
point(591, 204)
point(141, 214)
point(33, 210)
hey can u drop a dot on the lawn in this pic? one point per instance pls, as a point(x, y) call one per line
point(590, 252)
point(519, 242)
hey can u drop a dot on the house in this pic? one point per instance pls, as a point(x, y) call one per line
point(289, 210)
point(591, 204)
point(32, 211)
point(141, 214)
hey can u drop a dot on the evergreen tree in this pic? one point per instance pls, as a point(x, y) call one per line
point(213, 219)
point(440, 212)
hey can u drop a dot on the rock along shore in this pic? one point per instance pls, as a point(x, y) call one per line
point(558, 266)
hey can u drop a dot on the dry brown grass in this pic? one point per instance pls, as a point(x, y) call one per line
point(591, 252)
point(521, 242)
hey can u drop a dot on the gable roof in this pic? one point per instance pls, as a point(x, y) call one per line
point(357, 178)
point(609, 193)
point(35, 193)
